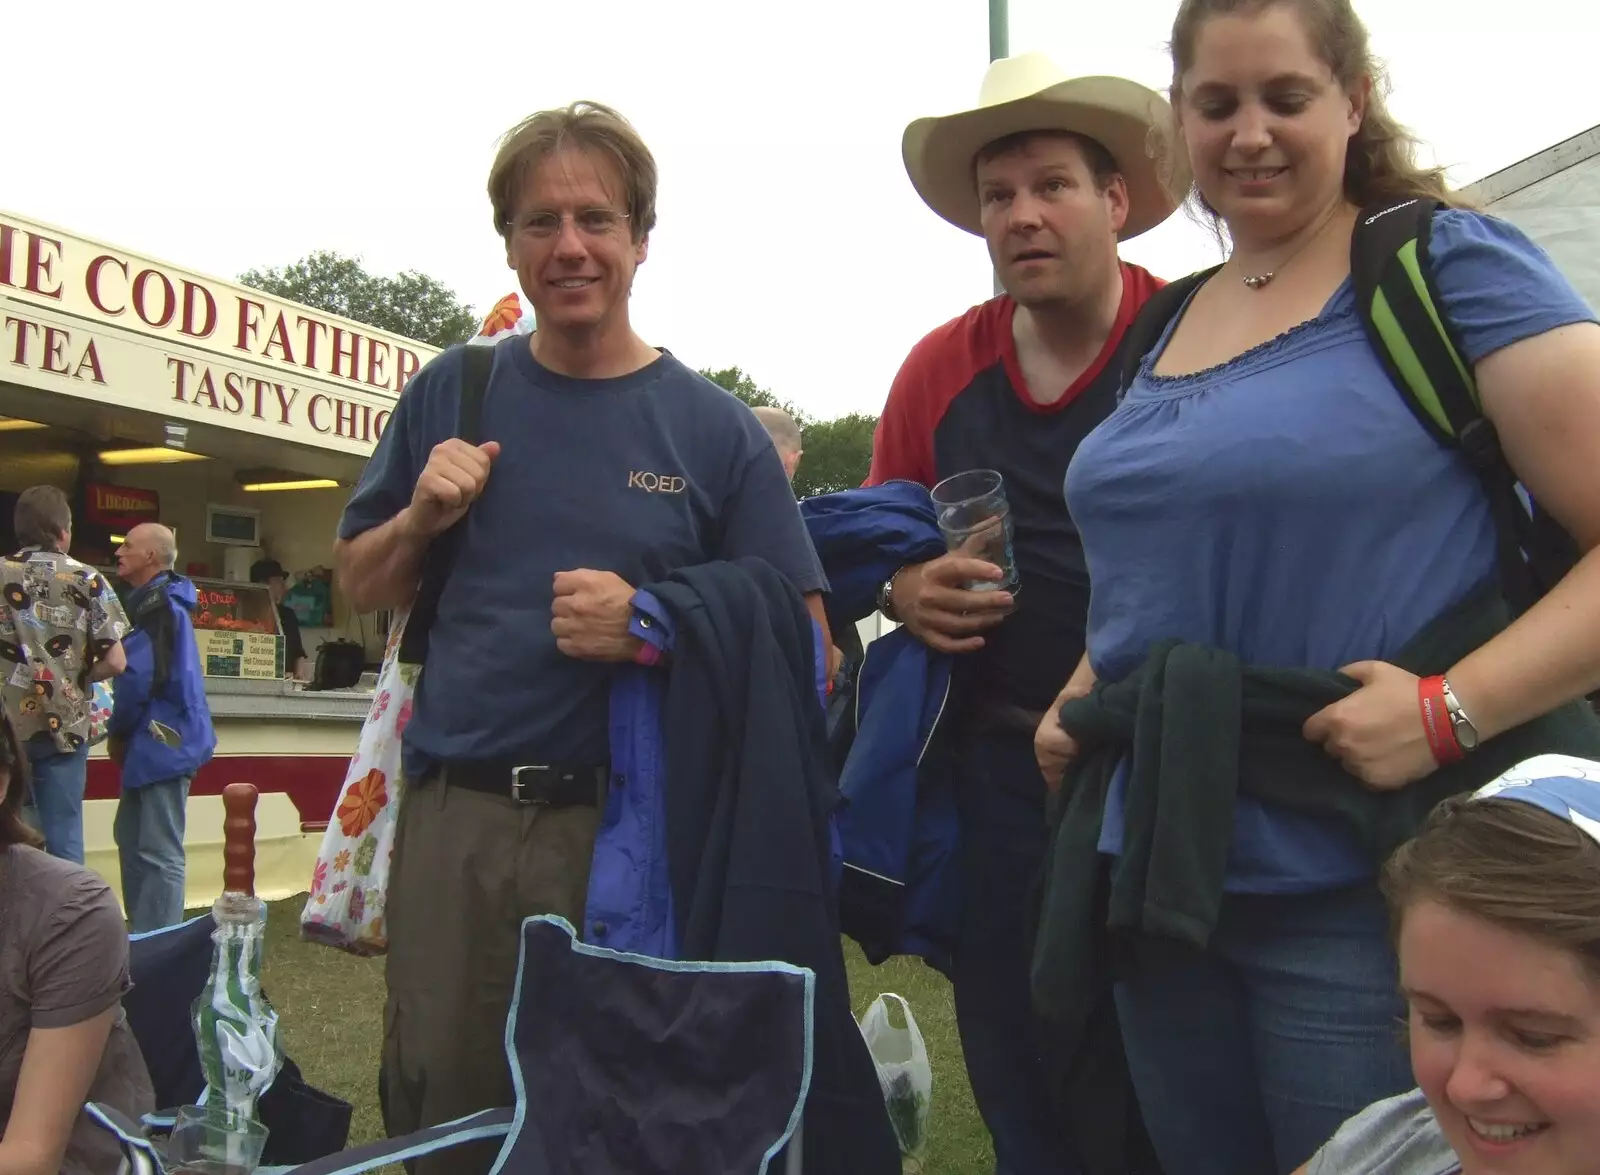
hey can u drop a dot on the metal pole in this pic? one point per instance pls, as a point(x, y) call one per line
point(999, 46)
point(999, 29)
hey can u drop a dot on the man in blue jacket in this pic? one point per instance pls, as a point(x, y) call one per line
point(160, 728)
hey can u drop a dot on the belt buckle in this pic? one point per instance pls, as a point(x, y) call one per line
point(519, 782)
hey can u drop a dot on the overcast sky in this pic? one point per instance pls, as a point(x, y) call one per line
point(790, 243)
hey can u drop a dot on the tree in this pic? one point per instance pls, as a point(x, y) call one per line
point(732, 379)
point(838, 453)
point(410, 304)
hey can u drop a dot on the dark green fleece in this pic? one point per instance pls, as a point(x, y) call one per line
point(1198, 728)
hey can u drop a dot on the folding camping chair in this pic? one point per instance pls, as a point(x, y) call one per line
point(623, 1064)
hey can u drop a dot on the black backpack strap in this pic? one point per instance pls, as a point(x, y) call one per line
point(477, 361)
point(1403, 314)
point(1144, 332)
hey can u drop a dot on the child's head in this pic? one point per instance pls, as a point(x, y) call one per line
point(1497, 914)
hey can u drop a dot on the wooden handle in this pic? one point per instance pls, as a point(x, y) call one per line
point(239, 838)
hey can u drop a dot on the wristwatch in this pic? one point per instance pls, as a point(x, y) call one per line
point(886, 597)
point(1466, 732)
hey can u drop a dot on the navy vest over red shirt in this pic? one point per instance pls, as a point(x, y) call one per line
point(960, 402)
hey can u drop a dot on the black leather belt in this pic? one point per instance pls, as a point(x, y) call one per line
point(549, 785)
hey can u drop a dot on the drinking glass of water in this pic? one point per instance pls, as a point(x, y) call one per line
point(975, 519)
point(214, 1140)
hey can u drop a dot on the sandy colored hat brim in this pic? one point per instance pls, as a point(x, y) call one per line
point(1131, 121)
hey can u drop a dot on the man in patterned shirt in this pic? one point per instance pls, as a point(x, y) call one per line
point(61, 630)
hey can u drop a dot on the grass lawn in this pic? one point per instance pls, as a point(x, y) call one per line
point(331, 1013)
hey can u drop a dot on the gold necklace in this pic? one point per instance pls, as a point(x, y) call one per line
point(1255, 281)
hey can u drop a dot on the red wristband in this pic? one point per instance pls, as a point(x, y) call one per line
point(1436, 722)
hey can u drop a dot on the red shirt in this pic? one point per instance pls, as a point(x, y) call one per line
point(960, 402)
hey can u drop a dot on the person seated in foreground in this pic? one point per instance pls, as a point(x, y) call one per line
point(64, 1039)
point(1496, 904)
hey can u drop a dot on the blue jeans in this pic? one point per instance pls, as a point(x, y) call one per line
point(1000, 799)
point(56, 806)
point(1248, 1057)
point(149, 831)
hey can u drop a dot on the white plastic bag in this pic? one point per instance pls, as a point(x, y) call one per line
point(904, 1074)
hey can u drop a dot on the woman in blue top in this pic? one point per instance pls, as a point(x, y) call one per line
point(1264, 489)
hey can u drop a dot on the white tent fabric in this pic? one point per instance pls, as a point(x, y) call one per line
point(1562, 213)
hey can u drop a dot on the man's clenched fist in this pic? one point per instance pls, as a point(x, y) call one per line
point(589, 616)
point(452, 480)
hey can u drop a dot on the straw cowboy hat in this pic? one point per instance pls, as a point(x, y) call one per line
point(1030, 92)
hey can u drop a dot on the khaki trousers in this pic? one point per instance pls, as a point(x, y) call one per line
point(468, 868)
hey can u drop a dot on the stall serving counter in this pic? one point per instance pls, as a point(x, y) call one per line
point(291, 741)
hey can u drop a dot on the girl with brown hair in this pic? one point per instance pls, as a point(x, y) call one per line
point(63, 969)
point(1496, 907)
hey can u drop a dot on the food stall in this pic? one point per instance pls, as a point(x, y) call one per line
point(148, 392)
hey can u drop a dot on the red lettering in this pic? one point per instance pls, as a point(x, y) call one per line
point(280, 339)
point(340, 353)
point(311, 411)
point(285, 402)
point(207, 389)
point(190, 305)
point(312, 326)
point(39, 266)
point(91, 282)
point(55, 346)
point(233, 388)
point(20, 356)
point(259, 388)
point(380, 421)
point(124, 501)
point(344, 419)
point(181, 370)
point(169, 298)
point(6, 234)
point(91, 360)
point(248, 325)
point(409, 365)
point(375, 362)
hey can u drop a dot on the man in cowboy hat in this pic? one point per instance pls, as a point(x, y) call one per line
point(1052, 172)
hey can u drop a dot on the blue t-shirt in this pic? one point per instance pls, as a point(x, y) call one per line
point(639, 475)
point(1288, 507)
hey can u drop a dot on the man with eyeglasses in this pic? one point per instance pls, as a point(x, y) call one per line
point(605, 464)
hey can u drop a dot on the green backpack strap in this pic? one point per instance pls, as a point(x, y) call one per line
point(1403, 314)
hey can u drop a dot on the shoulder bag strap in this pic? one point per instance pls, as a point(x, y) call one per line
point(477, 362)
point(1403, 314)
point(1145, 330)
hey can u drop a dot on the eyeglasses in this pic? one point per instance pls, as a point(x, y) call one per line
point(591, 222)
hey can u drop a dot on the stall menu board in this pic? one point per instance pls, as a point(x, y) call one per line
point(236, 628)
